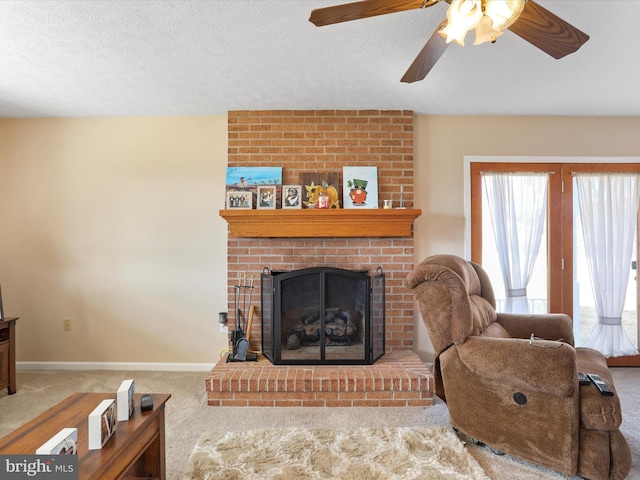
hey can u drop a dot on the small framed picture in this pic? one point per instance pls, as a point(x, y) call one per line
point(1, 310)
point(292, 196)
point(360, 186)
point(266, 196)
point(239, 200)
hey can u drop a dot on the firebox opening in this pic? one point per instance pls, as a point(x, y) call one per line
point(322, 315)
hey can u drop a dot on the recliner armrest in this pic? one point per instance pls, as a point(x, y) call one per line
point(550, 326)
point(545, 366)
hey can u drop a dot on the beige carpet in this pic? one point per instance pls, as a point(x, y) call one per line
point(345, 454)
point(189, 418)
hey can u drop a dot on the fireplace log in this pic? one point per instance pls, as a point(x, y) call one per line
point(338, 328)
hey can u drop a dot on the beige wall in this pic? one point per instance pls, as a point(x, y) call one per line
point(114, 223)
point(442, 142)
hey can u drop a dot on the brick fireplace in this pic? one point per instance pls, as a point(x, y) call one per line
point(325, 141)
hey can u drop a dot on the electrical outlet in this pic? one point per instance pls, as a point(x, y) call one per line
point(66, 324)
point(223, 328)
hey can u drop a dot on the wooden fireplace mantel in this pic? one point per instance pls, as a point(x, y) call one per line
point(348, 222)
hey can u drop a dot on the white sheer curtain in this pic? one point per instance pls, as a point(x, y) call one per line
point(518, 207)
point(609, 212)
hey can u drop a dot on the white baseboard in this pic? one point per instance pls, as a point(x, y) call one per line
point(161, 367)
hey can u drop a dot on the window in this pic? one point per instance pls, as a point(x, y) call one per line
point(560, 282)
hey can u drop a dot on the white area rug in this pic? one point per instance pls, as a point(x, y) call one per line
point(355, 454)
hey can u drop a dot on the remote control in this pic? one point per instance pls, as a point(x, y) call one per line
point(583, 379)
point(600, 385)
point(146, 403)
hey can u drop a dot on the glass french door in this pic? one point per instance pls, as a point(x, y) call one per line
point(560, 282)
point(584, 309)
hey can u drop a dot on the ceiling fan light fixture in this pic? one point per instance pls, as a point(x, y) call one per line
point(503, 13)
point(462, 16)
point(488, 17)
point(485, 32)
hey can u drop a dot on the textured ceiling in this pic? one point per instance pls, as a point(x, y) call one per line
point(139, 58)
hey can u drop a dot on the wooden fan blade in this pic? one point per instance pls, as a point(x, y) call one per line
point(427, 58)
point(547, 31)
point(364, 9)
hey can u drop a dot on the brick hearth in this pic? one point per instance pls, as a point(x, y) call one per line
point(325, 141)
point(398, 379)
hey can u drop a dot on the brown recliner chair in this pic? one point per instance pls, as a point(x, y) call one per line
point(514, 394)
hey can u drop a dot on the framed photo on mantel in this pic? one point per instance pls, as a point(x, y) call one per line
point(315, 183)
point(239, 200)
point(360, 186)
point(292, 196)
point(266, 196)
point(249, 179)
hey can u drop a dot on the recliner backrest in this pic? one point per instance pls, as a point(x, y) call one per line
point(455, 297)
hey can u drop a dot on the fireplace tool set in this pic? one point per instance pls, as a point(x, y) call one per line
point(243, 292)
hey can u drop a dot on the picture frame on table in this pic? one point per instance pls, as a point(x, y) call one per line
point(292, 196)
point(239, 200)
point(266, 198)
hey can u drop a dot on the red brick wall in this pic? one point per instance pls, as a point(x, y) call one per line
point(318, 141)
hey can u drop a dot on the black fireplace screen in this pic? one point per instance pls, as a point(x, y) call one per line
point(322, 315)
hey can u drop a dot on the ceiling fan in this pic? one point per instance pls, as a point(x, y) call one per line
point(489, 18)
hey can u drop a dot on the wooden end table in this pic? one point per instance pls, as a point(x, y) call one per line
point(136, 449)
point(8, 354)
